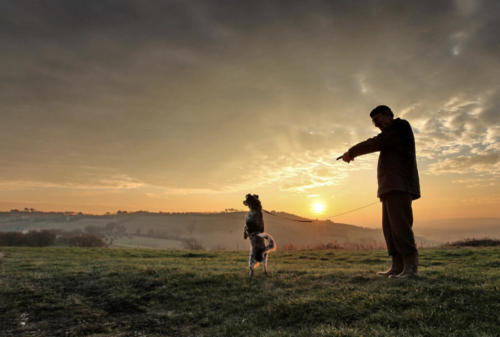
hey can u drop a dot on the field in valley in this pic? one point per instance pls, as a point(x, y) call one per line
point(143, 292)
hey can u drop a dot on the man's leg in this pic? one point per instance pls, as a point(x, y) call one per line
point(400, 217)
point(397, 259)
point(386, 227)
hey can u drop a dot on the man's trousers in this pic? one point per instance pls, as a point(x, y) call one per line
point(397, 222)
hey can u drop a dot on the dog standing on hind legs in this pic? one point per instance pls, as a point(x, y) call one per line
point(261, 243)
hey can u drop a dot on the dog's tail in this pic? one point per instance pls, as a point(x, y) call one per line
point(271, 244)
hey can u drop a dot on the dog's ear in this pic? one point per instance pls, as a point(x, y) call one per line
point(256, 196)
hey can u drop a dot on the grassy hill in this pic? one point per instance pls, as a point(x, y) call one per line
point(135, 292)
point(201, 230)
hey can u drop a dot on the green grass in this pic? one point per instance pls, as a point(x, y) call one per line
point(134, 292)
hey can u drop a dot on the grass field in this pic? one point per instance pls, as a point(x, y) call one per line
point(133, 292)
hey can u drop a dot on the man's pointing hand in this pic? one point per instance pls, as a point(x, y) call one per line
point(346, 157)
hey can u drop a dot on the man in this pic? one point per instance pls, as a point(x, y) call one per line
point(398, 185)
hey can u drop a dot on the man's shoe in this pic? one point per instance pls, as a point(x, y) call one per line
point(396, 268)
point(410, 267)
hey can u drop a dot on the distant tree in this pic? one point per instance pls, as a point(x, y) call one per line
point(114, 229)
point(63, 237)
point(57, 232)
point(191, 227)
point(120, 229)
point(193, 244)
point(93, 229)
point(86, 240)
point(110, 226)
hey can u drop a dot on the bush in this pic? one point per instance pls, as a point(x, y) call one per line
point(85, 240)
point(46, 238)
point(12, 239)
point(41, 239)
point(32, 239)
point(474, 243)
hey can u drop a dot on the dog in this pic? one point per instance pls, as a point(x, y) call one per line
point(261, 243)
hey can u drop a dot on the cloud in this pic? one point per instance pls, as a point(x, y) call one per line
point(482, 163)
point(476, 182)
point(458, 129)
point(204, 97)
point(119, 182)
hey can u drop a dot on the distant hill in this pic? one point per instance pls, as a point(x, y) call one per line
point(460, 229)
point(199, 230)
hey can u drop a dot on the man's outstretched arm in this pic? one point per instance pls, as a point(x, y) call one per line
point(368, 146)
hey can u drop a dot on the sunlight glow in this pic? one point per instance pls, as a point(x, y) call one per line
point(318, 207)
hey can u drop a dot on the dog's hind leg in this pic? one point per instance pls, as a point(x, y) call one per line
point(251, 264)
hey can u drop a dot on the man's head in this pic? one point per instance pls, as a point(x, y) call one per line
point(382, 116)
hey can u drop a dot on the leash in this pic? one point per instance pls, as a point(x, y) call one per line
point(333, 216)
point(284, 217)
point(355, 209)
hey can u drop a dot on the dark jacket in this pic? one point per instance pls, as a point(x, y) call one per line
point(397, 164)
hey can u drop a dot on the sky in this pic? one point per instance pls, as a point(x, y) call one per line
point(180, 106)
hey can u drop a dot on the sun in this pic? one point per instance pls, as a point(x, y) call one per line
point(318, 207)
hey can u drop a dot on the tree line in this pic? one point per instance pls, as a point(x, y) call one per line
point(51, 237)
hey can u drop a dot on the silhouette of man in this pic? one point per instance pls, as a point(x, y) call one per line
point(398, 186)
